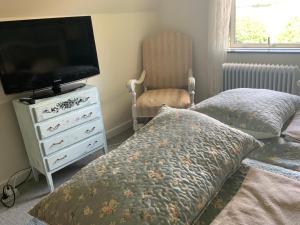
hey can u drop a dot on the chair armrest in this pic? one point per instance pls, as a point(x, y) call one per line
point(132, 83)
point(191, 82)
point(131, 88)
point(191, 86)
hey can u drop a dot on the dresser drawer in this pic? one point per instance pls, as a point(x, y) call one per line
point(76, 151)
point(64, 104)
point(72, 119)
point(74, 135)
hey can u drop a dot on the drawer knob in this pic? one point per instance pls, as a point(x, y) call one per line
point(54, 128)
point(90, 131)
point(59, 159)
point(93, 144)
point(85, 116)
point(57, 143)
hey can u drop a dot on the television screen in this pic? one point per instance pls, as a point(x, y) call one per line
point(35, 54)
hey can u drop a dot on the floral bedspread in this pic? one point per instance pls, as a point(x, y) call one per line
point(279, 152)
point(228, 190)
point(155, 177)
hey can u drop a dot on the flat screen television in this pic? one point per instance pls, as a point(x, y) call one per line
point(41, 53)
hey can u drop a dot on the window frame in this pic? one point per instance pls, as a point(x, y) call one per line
point(233, 43)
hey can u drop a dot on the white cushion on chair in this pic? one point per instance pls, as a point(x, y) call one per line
point(150, 102)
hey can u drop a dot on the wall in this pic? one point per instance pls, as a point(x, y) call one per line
point(118, 38)
point(278, 58)
point(41, 8)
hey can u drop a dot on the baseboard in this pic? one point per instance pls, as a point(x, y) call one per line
point(119, 129)
point(2, 183)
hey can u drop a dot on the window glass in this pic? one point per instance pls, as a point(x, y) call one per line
point(266, 22)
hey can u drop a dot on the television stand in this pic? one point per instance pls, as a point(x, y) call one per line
point(56, 90)
point(61, 130)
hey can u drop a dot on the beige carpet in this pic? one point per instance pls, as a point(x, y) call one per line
point(32, 192)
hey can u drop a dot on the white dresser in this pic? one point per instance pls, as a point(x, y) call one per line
point(61, 130)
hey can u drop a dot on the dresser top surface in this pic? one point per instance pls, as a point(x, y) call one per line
point(86, 88)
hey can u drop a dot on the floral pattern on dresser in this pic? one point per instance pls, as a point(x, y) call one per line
point(68, 104)
point(166, 173)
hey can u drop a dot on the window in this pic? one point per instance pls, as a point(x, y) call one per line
point(265, 24)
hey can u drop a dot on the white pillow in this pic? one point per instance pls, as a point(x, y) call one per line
point(258, 112)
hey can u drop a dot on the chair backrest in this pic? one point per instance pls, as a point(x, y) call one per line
point(167, 57)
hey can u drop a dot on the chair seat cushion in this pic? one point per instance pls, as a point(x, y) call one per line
point(150, 101)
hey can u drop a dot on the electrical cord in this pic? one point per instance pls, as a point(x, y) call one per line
point(19, 171)
point(5, 196)
point(25, 180)
point(8, 187)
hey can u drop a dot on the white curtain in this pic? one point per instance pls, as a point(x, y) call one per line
point(218, 38)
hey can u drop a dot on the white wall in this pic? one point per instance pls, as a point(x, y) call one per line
point(118, 38)
point(278, 58)
point(42, 8)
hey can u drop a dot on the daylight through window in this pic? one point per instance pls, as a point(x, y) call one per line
point(265, 23)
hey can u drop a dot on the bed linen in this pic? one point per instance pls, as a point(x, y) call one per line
point(292, 132)
point(263, 198)
point(280, 152)
point(155, 177)
point(258, 112)
point(229, 189)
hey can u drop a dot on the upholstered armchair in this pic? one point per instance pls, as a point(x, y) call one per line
point(167, 76)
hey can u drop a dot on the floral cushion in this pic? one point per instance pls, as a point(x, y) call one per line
point(166, 173)
point(259, 112)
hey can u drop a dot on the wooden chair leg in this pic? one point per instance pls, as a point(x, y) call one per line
point(192, 97)
point(134, 118)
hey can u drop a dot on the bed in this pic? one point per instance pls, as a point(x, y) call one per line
point(174, 181)
point(228, 191)
point(266, 115)
point(279, 152)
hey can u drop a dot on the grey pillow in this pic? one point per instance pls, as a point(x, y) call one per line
point(258, 112)
point(167, 173)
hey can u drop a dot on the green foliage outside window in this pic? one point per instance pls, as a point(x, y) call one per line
point(291, 33)
point(251, 31)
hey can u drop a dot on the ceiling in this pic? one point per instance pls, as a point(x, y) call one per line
point(36, 8)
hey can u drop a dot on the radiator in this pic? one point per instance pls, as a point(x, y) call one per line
point(282, 78)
